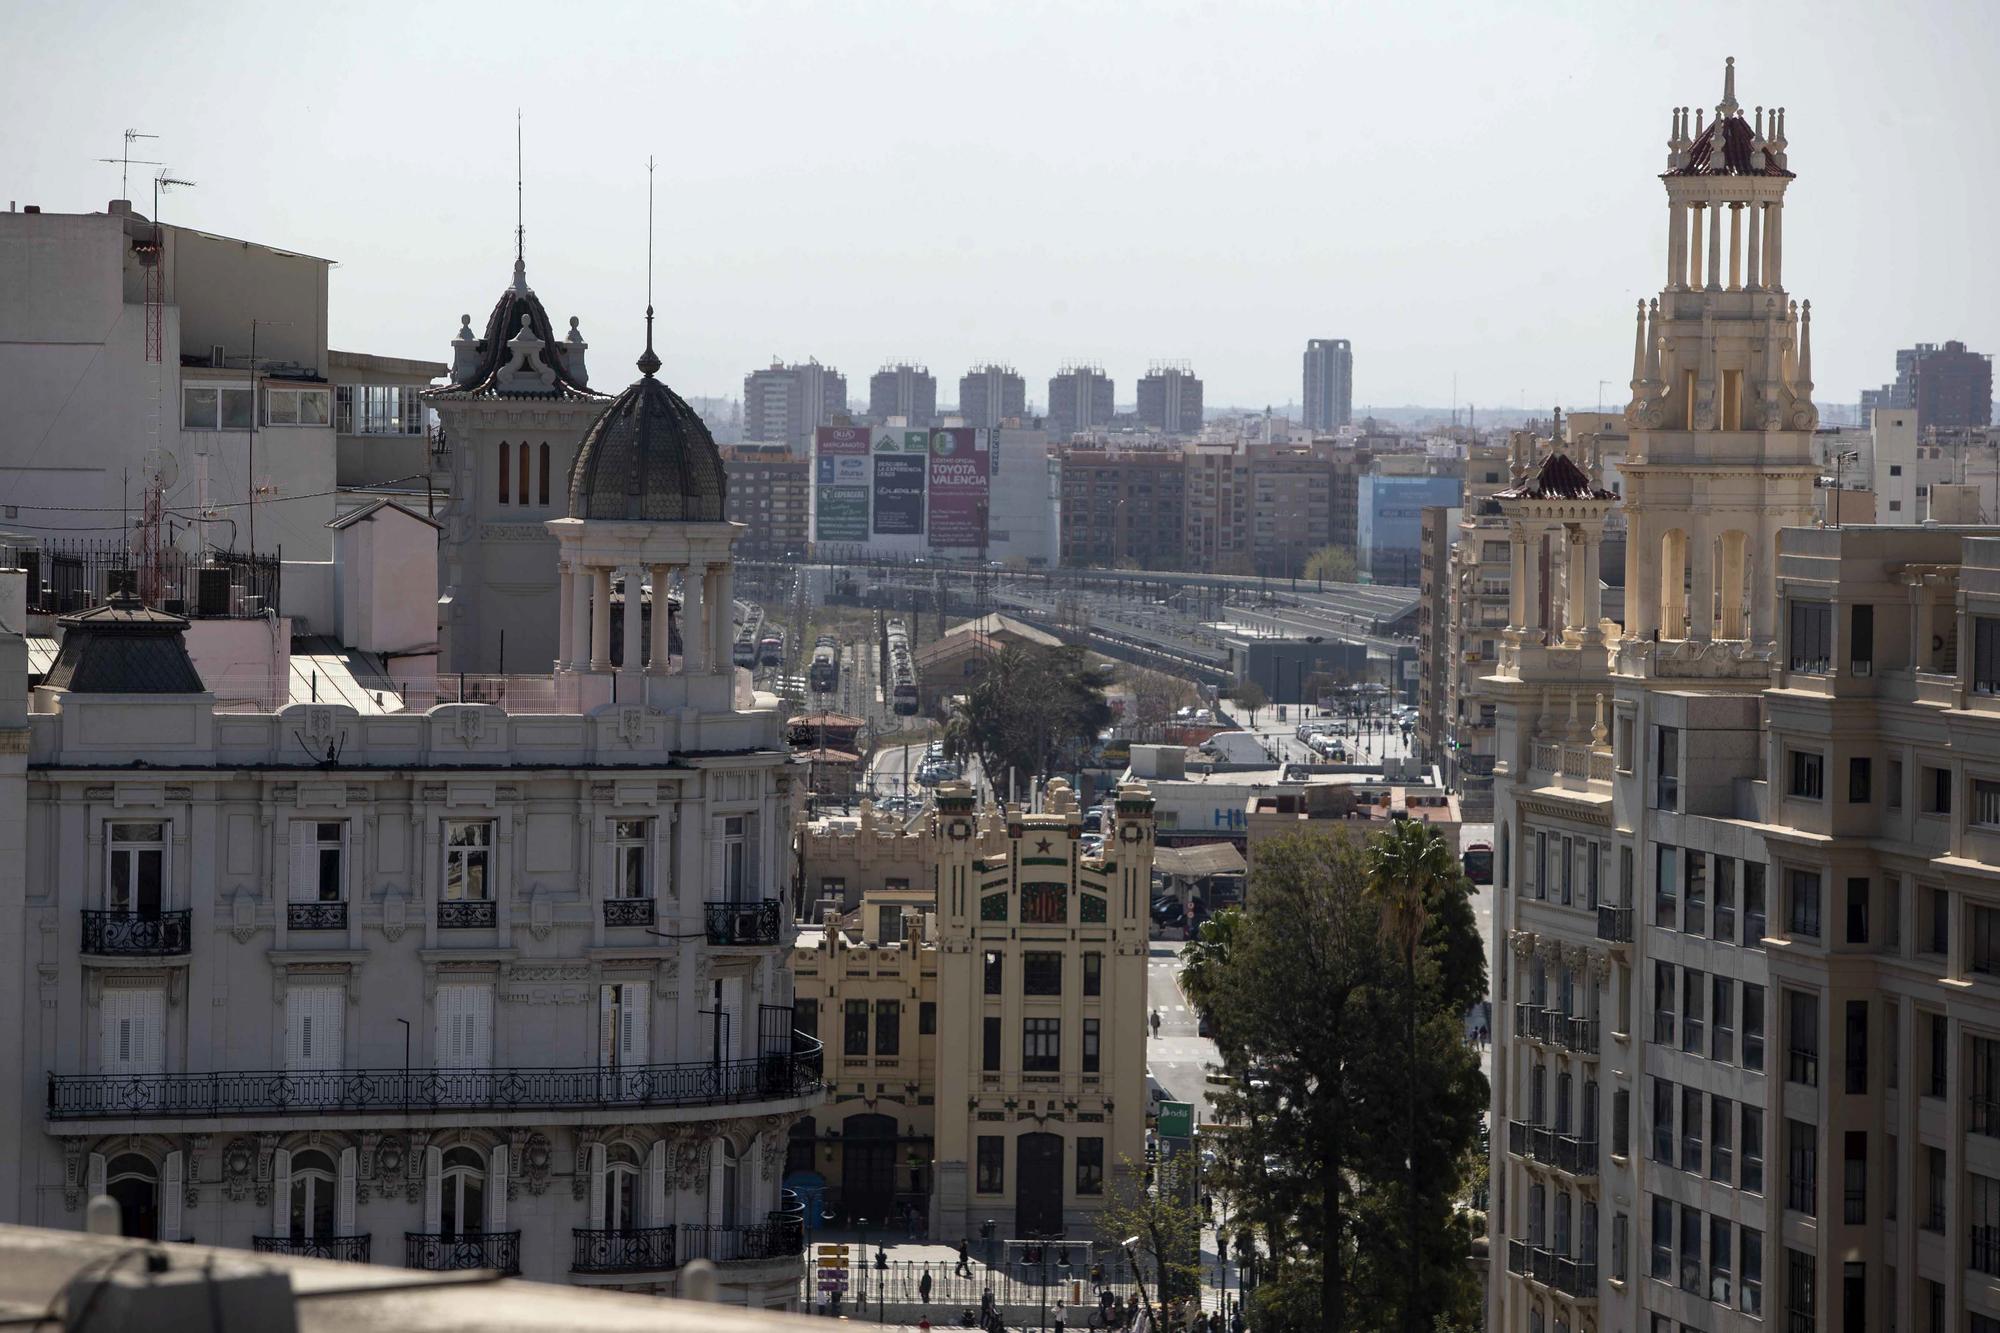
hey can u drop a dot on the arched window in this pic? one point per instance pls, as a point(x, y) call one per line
point(524, 472)
point(543, 490)
point(621, 1189)
point(506, 458)
point(313, 1185)
point(463, 1203)
point(729, 1178)
point(134, 1182)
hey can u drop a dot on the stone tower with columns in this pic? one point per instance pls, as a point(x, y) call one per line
point(645, 501)
point(517, 404)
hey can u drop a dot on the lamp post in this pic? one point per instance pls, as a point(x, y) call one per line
point(1138, 1279)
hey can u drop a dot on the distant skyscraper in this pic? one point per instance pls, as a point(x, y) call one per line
point(786, 404)
point(1953, 387)
point(1170, 399)
point(903, 390)
point(1329, 383)
point(990, 394)
point(1079, 399)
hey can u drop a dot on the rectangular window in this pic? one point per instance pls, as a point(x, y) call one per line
point(1690, 1248)
point(1721, 1138)
point(1694, 904)
point(1093, 974)
point(1936, 791)
point(1857, 1046)
point(1893, 780)
point(888, 1027)
point(1041, 973)
point(1935, 904)
point(1751, 1179)
point(1721, 1249)
point(992, 1164)
point(1986, 654)
point(1854, 1178)
point(1940, 1034)
point(1667, 768)
point(1753, 1027)
point(317, 861)
point(1755, 926)
point(1802, 903)
point(1801, 1296)
point(1694, 993)
point(735, 846)
point(132, 1030)
point(927, 1018)
point(468, 847)
point(1091, 1056)
point(314, 1023)
point(1985, 803)
point(1621, 1122)
point(1750, 1271)
point(1861, 641)
point(1857, 911)
point(464, 1026)
point(1041, 1044)
point(1858, 785)
point(1722, 1019)
point(1934, 1188)
point(296, 407)
point(855, 1041)
point(1666, 887)
point(1663, 1003)
point(1620, 1225)
point(1568, 876)
point(1802, 1038)
point(1090, 1166)
point(1892, 1044)
point(1983, 948)
point(993, 972)
point(1542, 865)
point(1808, 770)
point(1661, 1246)
point(805, 1016)
point(1663, 1122)
point(216, 407)
point(1892, 914)
point(135, 868)
point(1983, 1201)
point(1811, 637)
point(1725, 899)
point(989, 1043)
point(1802, 1167)
point(1691, 1130)
point(631, 858)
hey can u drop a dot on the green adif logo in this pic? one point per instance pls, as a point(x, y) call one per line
point(942, 443)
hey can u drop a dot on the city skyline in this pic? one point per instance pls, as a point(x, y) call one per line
point(1427, 288)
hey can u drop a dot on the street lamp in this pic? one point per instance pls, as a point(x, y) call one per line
point(1138, 1278)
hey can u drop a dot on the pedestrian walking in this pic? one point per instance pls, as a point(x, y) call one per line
point(924, 1286)
point(1156, 1023)
point(1236, 1318)
point(964, 1258)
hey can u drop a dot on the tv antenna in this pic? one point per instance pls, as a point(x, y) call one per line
point(125, 160)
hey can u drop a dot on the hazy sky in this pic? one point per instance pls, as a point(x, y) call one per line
point(1464, 188)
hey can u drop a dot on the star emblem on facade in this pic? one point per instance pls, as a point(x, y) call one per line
point(1042, 845)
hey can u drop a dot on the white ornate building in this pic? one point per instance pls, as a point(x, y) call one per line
point(474, 986)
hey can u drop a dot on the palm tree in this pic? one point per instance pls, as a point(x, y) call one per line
point(1407, 864)
point(1204, 957)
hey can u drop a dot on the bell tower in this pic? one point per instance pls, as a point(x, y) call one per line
point(1721, 414)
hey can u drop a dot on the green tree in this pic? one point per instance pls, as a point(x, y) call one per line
point(1205, 958)
point(1333, 564)
point(1156, 1207)
point(1034, 710)
point(1250, 695)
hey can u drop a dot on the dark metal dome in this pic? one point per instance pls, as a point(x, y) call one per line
point(649, 458)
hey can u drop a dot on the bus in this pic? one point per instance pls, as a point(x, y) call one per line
point(1478, 862)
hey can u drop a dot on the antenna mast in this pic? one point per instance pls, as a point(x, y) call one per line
point(520, 224)
point(125, 160)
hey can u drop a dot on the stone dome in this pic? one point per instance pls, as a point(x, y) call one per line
point(648, 458)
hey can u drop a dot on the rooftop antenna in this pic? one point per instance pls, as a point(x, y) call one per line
point(520, 224)
point(125, 160)
point(649, 361)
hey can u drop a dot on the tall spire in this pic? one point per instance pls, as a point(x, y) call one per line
point(520, 227)
point(649, 362)
point(1727, 106)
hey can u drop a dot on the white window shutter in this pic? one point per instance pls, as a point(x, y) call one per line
point(732, 1005)
point(304, 886)
point(496, 1190)
point(607, 1025)
point(172, 1189)
point(296, 1016)
point(152, 1030)
point(632, 1024)
point(481, 1054)
point(281, 1192)
point(332, 1027)
point(94, 1180)
point(656, 1184)
point(343, 1205)
point(597, 1185)
point(433, 1188)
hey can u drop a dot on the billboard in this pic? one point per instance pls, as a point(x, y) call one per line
point(959, 477)
point(899, 484)
point(840, 484)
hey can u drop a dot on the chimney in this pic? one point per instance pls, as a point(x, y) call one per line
point(31, 208)
point(119, 208)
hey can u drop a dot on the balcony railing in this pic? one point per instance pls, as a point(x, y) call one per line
point(1517, 1137)
point(1983, 1254)
point(1577, 1277)
point(778, 1075)
point(316, 916)
point(1542, 1144)
point(468, 914)
point(1580, 1035)
point(644, 1250)
point(781, 1237)
point(1517, 1257)
point(478, 1249)
point(743, 923)
point(1802, 1067)
point(628, 911)
point(137, 934)
point(1614, 924)
point(1576, 1155)
point(1985, 1116)
point(347, 1249)
point(1541, 1263)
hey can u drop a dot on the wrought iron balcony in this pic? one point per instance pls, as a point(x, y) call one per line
point(1578, 1156)
point(1614, 924)
point(781, 1236)
point(1517, 1257)
point(467, 914)
point(348, 1249)
point(1983, 1254)
point(1542, 1264)
point(628, 911)
point(777, 1075)
point(642, 1250)
point(752, 923)
point(437, 1253)
point(1517, 1137)
point(1532, 1020)
point(1542, 1143)
point(1576, 1277)
point(316, 916)
point(1580, 1035)
point(137, 934)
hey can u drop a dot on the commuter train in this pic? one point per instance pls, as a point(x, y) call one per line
point(825, 670)
point(901, 677)
point(771, 647)
point(744, 652)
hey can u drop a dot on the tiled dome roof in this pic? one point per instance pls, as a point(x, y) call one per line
point(649, 458)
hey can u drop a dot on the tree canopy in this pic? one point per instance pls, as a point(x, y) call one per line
point(1334, 564)
point(1036, 709)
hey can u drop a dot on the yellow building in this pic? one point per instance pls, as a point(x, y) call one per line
point(985, 1029)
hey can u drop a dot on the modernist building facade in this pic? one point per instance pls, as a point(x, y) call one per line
point(472, 986)
point(983, 1013)
point(1744, 1052)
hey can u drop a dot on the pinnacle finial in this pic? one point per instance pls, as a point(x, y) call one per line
point(649, 361)
point(1728, 105)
